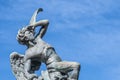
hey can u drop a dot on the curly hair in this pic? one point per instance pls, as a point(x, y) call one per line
point(21, 36)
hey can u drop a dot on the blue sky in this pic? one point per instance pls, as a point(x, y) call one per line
point(85, 31)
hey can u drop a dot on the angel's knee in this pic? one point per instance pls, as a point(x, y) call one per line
point(76, 65)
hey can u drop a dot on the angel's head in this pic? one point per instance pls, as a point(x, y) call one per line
point(25, 35)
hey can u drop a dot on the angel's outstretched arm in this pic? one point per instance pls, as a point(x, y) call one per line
point(42, 23)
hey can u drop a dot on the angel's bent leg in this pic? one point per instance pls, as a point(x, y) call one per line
point(72, 68)
point(27, 66)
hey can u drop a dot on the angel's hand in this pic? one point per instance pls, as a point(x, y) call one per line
point(40, 9)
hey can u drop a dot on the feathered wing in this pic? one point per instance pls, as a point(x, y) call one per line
point(17, 64)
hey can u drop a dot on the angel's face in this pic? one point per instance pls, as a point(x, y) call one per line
point(29, 35)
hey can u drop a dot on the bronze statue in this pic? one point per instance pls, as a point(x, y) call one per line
point(39, 52)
